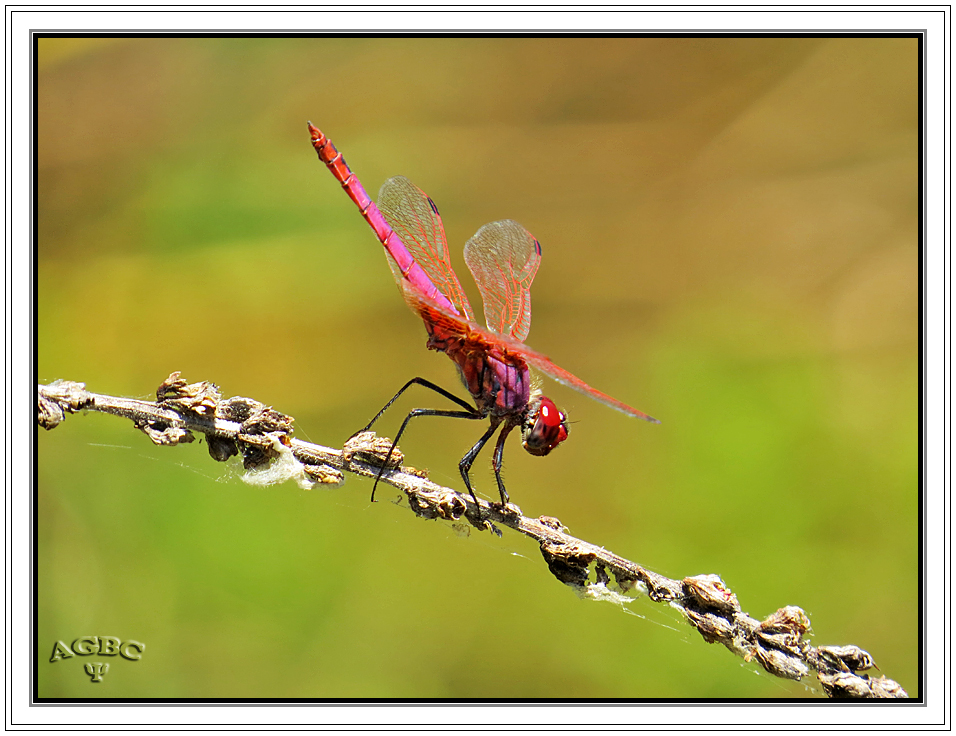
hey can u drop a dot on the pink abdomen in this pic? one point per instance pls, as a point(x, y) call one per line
point(411, 269)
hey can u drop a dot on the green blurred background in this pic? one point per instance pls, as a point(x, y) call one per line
point(730, 244)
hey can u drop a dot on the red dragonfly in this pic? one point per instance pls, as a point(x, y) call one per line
point(494, 363)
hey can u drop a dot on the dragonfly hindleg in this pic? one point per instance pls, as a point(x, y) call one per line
point(469, 412)
point(420, 382)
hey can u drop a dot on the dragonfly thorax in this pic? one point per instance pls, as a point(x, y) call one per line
point(544, 428)
point(500, 388)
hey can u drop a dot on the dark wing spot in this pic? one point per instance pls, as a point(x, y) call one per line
point(434, 208)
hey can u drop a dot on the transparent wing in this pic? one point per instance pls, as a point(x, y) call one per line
point(414, 217)
point(543, 364)
point(506, 349)
point(504, 257)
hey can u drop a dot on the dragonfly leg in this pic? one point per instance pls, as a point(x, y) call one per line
point(470, 414)
point(497, 459)
point(421, 382)
point(468, 460)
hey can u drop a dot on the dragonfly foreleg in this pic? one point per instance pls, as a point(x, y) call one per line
point(421, 382)
point(468, 460)
point(470, 414)
point(497, 460)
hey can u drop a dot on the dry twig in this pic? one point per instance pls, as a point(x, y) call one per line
point(270, 454)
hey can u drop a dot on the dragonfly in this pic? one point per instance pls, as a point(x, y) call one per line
point(493, 362)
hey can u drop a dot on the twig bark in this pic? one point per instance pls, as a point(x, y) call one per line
point(270, 454)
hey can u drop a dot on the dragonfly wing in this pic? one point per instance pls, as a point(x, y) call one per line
point(565, 378)
point(444, 321)
point(414, 217)
point(506, 349)
point(504, 257)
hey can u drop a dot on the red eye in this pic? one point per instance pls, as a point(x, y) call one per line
point(546, 429)
point(549, 414)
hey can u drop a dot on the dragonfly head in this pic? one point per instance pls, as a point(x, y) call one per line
point(545, 427)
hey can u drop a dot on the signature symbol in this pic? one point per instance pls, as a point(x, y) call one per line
point(96, 670)
point(105, 646)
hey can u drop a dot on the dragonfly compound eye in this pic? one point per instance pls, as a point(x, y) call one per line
point(545, 428)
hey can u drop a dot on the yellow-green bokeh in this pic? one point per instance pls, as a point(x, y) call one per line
point(730, 244)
